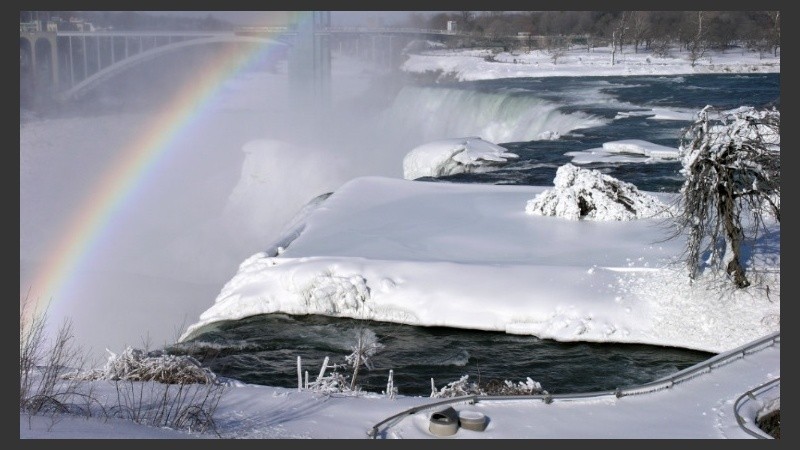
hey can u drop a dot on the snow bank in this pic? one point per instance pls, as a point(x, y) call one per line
point(589, 194)
point(451, 156)
point(468, 256)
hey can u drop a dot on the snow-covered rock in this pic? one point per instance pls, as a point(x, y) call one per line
point(638, 146)
point(548, 135)
point(451, 156)
point(626, 151)
point(589, 194)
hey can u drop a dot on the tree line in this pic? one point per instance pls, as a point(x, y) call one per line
point(649, 30)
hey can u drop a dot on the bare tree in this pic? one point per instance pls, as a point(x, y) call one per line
point(556, 52)
point(467, 20)
point(696, 46)
point(732, 169)
point(44, 361)
point(639, 28)
point(775, 17)
point(618, 35)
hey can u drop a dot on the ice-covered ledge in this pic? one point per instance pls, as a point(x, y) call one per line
point(468, 256)
point(455, 155)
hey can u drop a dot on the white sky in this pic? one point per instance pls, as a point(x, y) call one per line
point(172, 250)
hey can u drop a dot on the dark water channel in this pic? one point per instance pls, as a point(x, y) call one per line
point(264, 349)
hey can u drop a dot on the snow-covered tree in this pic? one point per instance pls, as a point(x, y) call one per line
point(365, 347)
point(731, 161)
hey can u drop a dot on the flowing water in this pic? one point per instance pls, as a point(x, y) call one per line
point(517, 113)
point(264, 349)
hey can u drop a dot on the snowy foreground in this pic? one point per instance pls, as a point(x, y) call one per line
point(702, 407)
point(468, 256)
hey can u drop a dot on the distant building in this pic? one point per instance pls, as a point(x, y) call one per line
point(80, 25)
point(54, 24)
point(451, 26)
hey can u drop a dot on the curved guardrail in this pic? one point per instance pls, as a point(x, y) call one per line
point(659, 384)
point(750, 396)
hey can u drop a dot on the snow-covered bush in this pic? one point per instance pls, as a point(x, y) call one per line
point(463, 387)
point(458, 388)
point(588, 194)
point(506, 387)
point(159, 389)
point(136, 365)
point(333, 383)
point(329, 383)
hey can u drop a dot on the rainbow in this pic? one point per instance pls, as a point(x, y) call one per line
point(118, 186)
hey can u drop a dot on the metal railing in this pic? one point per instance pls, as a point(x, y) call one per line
point(653, 386)
point(750, 396)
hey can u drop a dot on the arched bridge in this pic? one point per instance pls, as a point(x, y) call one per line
point(151, 53)
point(65, 64)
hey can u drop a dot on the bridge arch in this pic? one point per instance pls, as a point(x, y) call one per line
point(38, 64)
point(147, 55)
point(25, 67)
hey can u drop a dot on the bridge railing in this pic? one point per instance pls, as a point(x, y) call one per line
point(356, 30)
point(111, 33)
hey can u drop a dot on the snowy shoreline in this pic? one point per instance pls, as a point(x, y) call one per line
point(484, 64)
